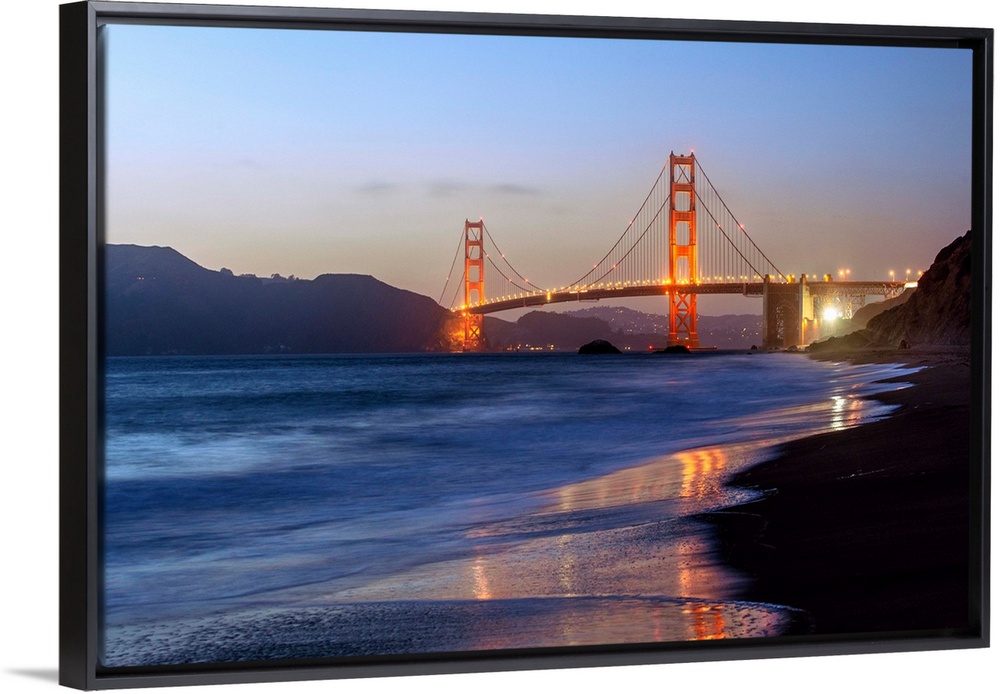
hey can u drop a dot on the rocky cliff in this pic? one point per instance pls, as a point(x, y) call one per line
point(940, 310)
point(868, 311)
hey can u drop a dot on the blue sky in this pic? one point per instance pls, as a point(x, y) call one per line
point(304, 152)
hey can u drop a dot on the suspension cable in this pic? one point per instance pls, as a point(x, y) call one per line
point(452, 270)
point(636, 216)
point(507, 263)
point(749, 238)
point(504, 275)
point(631, 248)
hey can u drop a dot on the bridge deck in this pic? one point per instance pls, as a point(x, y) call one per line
point(744, 288)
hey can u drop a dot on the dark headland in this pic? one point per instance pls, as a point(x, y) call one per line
point(868, 529)
point(159, 302)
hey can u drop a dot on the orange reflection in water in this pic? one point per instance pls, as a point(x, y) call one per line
point(609, 560)
point(625, 574)
point(703, 472)
point(480, 580)
point(578, 622)
point(605, 562)
point(697, 474)
point(847, 412)
point(708, 622)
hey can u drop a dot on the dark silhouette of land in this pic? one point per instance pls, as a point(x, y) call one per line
point(158, 302)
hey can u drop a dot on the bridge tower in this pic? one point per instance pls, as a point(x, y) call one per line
point(474, 285)
point(683, 260)
point(789, 313)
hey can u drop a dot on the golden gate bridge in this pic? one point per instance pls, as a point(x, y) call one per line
point(683, 242)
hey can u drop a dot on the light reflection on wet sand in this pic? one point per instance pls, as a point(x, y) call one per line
point(595, 621)
point(626, 534)
point(619, 535)
point(437, 626)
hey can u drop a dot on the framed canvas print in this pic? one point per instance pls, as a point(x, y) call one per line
point(401, 342)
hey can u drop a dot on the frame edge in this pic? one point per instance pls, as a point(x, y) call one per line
point(78, 234)
point(77, 228)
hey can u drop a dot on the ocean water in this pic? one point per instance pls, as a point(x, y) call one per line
point(249, 485)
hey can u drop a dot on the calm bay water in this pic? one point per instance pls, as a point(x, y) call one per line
point(259, 483)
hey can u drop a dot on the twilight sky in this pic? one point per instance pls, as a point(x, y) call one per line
point(306, 152)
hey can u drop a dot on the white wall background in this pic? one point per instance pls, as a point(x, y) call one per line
point(29, 383)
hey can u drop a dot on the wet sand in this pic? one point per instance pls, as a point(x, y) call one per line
point(606, 561)
point(867, 530)
point(613, 559)
point(404, 627)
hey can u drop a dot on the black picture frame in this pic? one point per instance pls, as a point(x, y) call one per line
point(81, 347)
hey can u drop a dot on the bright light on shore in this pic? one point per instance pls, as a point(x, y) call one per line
point(830, 313)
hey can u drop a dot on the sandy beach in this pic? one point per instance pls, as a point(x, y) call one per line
point(868, 530)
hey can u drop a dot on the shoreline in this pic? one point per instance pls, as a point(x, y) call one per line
point(866, 530)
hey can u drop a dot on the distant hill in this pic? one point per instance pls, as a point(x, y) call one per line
point(550, 330)
point(625, 328)
point(731, 331)
point(625, 320)
point(160, 302)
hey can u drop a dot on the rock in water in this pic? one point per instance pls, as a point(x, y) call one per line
point(677, 349)
point(599, 347)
